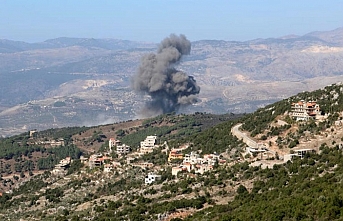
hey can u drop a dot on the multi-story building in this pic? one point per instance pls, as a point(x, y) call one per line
point(120, 148)
point(175, 154)
point(192, 158)
point(148, 145)
point(112, 143)
point(123, 149)
point(96, 160)
point(303, 110)
point(62, 166)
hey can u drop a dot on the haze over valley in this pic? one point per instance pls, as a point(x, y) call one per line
point(84, 81)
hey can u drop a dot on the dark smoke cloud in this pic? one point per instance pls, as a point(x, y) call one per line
point(169, 88)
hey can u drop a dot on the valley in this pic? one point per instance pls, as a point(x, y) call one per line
point(234, 77)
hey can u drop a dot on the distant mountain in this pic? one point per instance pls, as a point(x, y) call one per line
point(109, 44)
point(234, 76)
point(8, 46)
point(334, 36)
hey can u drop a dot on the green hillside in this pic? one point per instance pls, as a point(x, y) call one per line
point(239, 186)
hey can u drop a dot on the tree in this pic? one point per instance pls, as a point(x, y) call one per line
point(242, 190)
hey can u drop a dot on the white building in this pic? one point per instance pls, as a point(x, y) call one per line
point(192, 158)
point(150, 178)
point(112, 143)
point(297, 153)
point(211, 159)
point(176, 170)
point(123, 149)
point(148, 145)
point(108, 168)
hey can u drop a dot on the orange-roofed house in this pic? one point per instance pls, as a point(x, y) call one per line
point(175, 154)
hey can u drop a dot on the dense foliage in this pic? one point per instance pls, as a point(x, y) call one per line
point(304, 189)
point(57, 154)
point(170, 126)
point(307, 189)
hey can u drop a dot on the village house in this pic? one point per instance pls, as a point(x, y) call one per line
point(176, 170)
point(123, 149)
point(97, 160)
point(129, 160)
point(151, 178)
point(202, 168)
point(83, 159)
point(144, 165)
point(108, 167)
point(62, 166)
point(261, 152)
point(211, 159)
point(175, 154)
point(192, 158)
point(297, 153)
point(148, 145)
point(193, 161)
point(112, 143)
point(302, 152)
point(33, 133)
point(120, 148)
point(303, 110)
point(50, 143)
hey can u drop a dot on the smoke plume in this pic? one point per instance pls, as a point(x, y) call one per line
point(168, 88)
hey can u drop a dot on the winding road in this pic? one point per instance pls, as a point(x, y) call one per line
point(240, 135)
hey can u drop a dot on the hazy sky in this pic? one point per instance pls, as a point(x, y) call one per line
point(152, 20)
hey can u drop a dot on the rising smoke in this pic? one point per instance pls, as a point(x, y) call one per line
point(168, 88)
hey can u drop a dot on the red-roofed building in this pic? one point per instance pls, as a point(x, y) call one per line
point(305, 110)
point(175, 154)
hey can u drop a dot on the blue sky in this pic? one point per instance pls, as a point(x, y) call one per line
point(152, 20)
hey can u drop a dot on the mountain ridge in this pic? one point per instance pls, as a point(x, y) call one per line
point(234, 76)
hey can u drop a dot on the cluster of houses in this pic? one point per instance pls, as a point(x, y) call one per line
point(193, 161)
point(105, 159)
point(146, 146)
point(46, 143)
point(190, 162)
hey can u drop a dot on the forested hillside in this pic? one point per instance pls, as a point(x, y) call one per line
point(305, 189)
point(239, 185)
